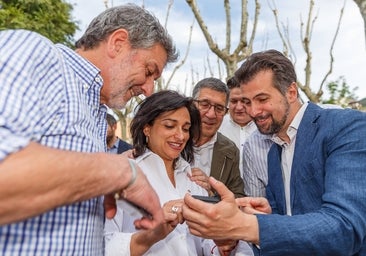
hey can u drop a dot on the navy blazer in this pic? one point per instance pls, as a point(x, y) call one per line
point(123, 146)
point(328, 189)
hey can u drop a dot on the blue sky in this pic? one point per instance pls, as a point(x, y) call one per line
point(349, 50)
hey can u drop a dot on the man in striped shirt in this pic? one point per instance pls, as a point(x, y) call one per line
point(53, 102)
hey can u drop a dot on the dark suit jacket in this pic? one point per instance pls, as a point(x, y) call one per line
point(328, 189)
point(225, 165)
point(123, 146)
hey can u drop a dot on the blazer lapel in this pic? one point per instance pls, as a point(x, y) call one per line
point(305, 135)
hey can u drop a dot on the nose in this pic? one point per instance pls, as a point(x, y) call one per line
point(240, 105)
point(148, 87)
point(179, 134)
point(253, 110)
point(211, 112)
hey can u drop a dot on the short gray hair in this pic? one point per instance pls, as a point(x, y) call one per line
point(213, 84)
point(143, 27)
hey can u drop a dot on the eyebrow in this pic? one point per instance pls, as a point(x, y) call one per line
point(174, 120)
point(258, 95)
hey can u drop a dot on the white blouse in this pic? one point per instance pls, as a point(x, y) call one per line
point(180, 242)
point(119, 230)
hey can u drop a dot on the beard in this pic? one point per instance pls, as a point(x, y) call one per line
point(109, 138)
point(276, 125)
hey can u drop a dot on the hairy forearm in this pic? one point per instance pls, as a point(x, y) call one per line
point(38, 179)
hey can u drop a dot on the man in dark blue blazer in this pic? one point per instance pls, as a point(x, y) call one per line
point(316, 173)
point(115, 144)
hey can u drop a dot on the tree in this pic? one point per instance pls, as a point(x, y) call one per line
point(340, 93)
point(306, 29)
point(244, 47)
point(51, 18)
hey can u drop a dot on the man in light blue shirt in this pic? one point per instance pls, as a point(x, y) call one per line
point(53, 166)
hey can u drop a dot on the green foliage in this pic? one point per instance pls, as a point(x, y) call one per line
point(51, 18)
point(340, 93)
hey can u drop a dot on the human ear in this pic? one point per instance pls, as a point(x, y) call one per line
point(292, 92)
point(117, 41)
point(146, 130)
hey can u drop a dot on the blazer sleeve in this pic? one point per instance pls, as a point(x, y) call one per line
point(329, 161)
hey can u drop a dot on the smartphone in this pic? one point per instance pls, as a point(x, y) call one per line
point(208, 199)
point(133, 209)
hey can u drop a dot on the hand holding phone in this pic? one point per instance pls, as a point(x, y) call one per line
point(208, 199)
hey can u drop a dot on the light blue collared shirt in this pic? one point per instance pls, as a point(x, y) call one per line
point(51, 95)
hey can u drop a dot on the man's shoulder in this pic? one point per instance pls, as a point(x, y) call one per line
point(123, 146)
point(23, 34)
point(27, 44)
point(333, 117)
point(224, 142)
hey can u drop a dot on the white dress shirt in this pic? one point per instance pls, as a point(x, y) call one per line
point(203, 155)
point(287, 156)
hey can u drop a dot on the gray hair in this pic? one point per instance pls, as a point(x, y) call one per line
point(213, 84)
point(143, 27)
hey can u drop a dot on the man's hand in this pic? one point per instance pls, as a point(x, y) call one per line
point(254, 205)
point(142, 194)
point(221, 221)
point(211, 220)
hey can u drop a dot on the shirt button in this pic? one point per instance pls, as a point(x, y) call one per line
point(98, 79)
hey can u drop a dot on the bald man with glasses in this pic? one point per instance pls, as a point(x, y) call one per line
point(215, 155)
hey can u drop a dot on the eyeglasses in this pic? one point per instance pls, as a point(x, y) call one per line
point(205, 105)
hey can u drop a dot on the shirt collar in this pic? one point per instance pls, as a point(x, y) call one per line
point(82, 67)
point(208, 144)
point(181, 165)
point(293, 127)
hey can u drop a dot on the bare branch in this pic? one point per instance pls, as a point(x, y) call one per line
point(284, 34)
point(185, 56)
point(211, 43)
point(254, 30)
point(282, 37)
point(209, 65)
point(219, 68)
point(105, 3)
point(228, 26)
point(320, 92)
point(362, 7)
point(306, 46)
point(170, 4)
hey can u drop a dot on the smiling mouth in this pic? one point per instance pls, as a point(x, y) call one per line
point(260, 120)
point(175, 145)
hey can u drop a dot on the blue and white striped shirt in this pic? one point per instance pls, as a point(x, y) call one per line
point(50, 95)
